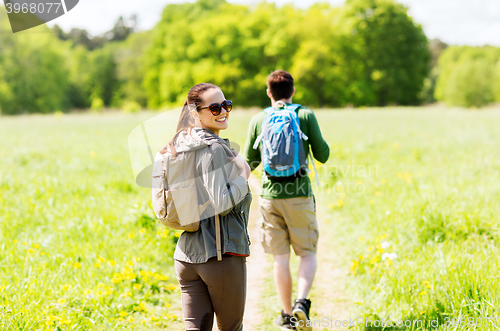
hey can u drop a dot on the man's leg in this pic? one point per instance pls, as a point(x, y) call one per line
point(283, 281)
point(300, 216)
point(307, 270)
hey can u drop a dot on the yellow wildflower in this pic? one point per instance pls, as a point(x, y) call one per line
point(131, 235)
point(77, 265)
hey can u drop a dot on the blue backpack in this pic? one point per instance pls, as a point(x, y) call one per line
point(281, 143)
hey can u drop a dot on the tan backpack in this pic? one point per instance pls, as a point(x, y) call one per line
point(175, 201)
point(175, 194)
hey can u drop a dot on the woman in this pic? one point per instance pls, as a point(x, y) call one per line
point(210, 283)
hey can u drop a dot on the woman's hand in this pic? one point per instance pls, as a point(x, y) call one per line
point(241, 164)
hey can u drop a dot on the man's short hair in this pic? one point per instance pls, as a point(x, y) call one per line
point(280, 84)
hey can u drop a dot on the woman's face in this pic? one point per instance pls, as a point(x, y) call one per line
point(209, 121)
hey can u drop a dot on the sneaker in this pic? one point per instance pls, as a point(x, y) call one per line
point(301, 313)
point(284, 321)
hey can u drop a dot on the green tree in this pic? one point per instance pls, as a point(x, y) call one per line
point(130, 59)
point(386, 53)
point(33, 77)
point(79, 90)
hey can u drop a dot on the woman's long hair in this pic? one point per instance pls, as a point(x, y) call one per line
point(186, 119)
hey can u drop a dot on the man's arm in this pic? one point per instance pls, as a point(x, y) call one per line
point(319, 147)
point(252, 156)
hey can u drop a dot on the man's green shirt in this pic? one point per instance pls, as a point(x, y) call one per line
point(299, 187)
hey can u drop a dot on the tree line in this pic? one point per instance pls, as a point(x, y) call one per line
point(364, 53)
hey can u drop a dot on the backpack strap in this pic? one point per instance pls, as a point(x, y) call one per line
point(165, 171)
point(293, 106)
point(268, 110)
point(218, 243)
point(257, 141)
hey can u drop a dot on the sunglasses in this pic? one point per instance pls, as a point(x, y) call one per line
point(216, 108)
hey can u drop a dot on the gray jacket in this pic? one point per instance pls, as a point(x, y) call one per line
point(212, 156)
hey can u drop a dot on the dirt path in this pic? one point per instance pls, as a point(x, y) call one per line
point(329, 295)
point(331, 299)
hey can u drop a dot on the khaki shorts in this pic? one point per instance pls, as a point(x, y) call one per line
point(288, 222)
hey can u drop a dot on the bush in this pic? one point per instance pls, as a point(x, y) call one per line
point(467, 76)
point(97, 104)
point(131, 107)
point(471, 84)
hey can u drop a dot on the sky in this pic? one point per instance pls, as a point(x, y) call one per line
point(456, 22)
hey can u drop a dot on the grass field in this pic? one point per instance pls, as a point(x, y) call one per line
point(80, 248)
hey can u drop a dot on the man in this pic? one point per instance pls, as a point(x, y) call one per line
point(288, 207)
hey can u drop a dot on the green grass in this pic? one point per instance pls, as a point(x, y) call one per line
point(433, 196)
point(425, 180)
point(79, 244)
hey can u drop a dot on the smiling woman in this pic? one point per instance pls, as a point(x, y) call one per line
point(215, 116)
point(210, 261)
